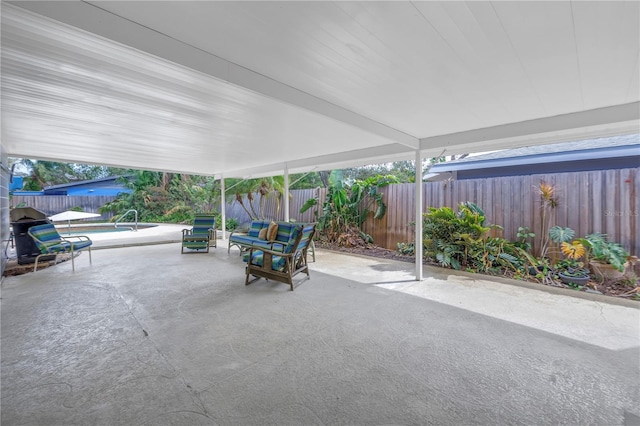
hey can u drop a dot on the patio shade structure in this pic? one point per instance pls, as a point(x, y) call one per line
point(70, 215)
point(249, 89)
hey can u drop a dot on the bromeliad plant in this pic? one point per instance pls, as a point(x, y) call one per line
point(570, 266)
point(548, 202)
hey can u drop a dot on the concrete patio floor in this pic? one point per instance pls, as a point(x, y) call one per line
point(146, 336)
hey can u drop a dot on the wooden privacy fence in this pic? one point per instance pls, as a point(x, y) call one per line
point(53, 204)
point(273, 209)
point(595, 201)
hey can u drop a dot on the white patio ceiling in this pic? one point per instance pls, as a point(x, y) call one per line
point(247, 88)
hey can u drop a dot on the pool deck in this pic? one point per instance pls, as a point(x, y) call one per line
point(162, 234)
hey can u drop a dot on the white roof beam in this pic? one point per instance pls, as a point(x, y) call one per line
point(609, 121)
point(374, 155)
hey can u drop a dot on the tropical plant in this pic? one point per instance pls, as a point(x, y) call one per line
point(459, 240)
point(406, 248)
point(231, 223)
point(165, 197)
point(558, 234)
point(523, 236)
point(570, 265)
point(600, 249)
point(548, 202)
point(253, 190)
point(346, 207)
point(574, 250)
point(47, 173)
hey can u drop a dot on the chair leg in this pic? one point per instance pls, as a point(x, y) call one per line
point(73, 264)
point(90, 262)
point(55, 260)
point(35, 267)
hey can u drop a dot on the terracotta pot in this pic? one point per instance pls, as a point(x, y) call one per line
point(605, 270)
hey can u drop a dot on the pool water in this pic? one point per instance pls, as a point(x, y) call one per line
point(101, 229)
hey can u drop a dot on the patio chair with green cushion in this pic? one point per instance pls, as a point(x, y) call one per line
point(282, 265)
point(202, 235)
point(49, 242)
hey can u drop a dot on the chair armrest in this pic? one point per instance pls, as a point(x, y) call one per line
point(79, 237)
point(271, 252)
point(186, 232)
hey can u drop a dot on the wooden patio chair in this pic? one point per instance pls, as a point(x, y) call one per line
point(202, 235)
point(49, 242)
point(282, 265)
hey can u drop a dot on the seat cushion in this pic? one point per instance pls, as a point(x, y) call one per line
point(246, 240)
point(195, 244)
point(277, 262)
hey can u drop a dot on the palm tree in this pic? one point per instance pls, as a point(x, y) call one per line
point(263, 188)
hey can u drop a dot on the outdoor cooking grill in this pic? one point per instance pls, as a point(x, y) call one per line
point(23, 218)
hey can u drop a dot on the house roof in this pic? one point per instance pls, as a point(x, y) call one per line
point(598, 148)
point(250, 88)
point(91, 182)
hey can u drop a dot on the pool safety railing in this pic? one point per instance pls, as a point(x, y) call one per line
point(125, 214)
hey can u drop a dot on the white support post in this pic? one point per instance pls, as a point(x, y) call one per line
point(418, 248)
point(223, 209)
point(285, 196)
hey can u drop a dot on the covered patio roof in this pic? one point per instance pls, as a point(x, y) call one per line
point(240, 89)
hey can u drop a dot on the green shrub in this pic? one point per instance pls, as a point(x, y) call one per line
point(459, 241)
point(231, 223)
point(406, 248)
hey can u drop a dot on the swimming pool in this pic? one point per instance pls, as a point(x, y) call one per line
point(102, 228)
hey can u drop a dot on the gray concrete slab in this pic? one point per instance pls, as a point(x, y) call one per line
point(146, 336)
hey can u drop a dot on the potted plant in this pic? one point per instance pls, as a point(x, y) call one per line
point(570, 270)
point(606, 258)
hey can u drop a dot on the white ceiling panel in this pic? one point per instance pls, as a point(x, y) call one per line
point(608, 35)
point(241, 88)
point(66, 98)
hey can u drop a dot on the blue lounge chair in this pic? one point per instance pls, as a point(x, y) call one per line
point(49, 242)
point(203, 234)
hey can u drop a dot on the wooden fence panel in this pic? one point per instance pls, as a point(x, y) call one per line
point(53, 204)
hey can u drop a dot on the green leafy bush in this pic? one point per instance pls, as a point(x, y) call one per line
point(346, 207)
point(406, 248)
point(231, 223)
point(459, 241)
point(605, 251)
